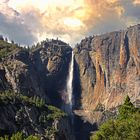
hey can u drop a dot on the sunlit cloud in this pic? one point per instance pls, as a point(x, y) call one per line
point(136, 2)
point(73, 22)
point(69, 20)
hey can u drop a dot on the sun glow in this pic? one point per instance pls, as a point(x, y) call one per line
point(73, 22)
point(70, 20)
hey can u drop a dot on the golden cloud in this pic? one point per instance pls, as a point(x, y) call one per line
point(136, 2)
point(68, 19)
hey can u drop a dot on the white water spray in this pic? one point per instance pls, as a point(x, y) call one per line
point(69, 82)
point(68, 97)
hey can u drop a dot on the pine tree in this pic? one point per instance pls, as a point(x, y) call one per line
point(126, 109)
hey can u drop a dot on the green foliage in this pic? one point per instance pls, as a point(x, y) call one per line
point(11, 97)
point(19, 136)
point(4, 138)
point(37, 101)
point(52, 114)
point(43, 118)
point(48, 114)
point(6, 48)
point(36, 47)
point(127, 109)
point(125, 127)
point(48, 117)
point(55, 113)
point(50, 133)
point(32, 138)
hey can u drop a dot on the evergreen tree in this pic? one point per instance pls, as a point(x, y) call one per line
point(127, 109)
point(125, 127)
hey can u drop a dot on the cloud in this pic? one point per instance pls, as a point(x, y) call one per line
point(13, 27)
point(136, 2)
point(132, 11)
point(31, 20)
point(15, 30)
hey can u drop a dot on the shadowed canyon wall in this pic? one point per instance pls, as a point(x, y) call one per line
point(42, 71)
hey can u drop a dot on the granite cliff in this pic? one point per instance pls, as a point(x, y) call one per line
point(108, 66)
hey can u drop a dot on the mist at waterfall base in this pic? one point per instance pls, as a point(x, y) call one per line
point(67, 95)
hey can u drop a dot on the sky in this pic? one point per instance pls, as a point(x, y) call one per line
point(30, 21)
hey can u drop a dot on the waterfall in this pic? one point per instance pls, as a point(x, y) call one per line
point(67, 96)
point(69, 83)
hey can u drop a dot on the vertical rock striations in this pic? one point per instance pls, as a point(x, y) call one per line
point(109, 68)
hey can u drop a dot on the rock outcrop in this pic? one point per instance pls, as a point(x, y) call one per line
point(109, 69)
point(37, 72)
point(40, 72)
point(20, 114)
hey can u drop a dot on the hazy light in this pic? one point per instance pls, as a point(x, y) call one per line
point(136, 2)
point(72, 22)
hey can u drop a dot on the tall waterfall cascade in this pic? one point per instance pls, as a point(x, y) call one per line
point(70, 81)
point(68, 94)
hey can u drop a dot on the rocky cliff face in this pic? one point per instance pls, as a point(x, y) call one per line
point(109, 69)
point(51, 62)
point(31, 117)
point(41, 72)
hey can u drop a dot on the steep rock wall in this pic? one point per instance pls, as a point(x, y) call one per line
point(109, 68)
point(40, 72)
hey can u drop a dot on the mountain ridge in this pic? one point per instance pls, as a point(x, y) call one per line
point(106, 69)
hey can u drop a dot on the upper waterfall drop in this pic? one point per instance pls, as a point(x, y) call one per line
point(68, 94)
point(69, 86)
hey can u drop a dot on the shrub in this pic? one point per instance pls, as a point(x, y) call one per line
point(52, 114)
point(11, 97)
point(55, 113)
point(19, 136)
point(37, 101)
point(6, 48)
point(50, 133)
point(127, 109)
